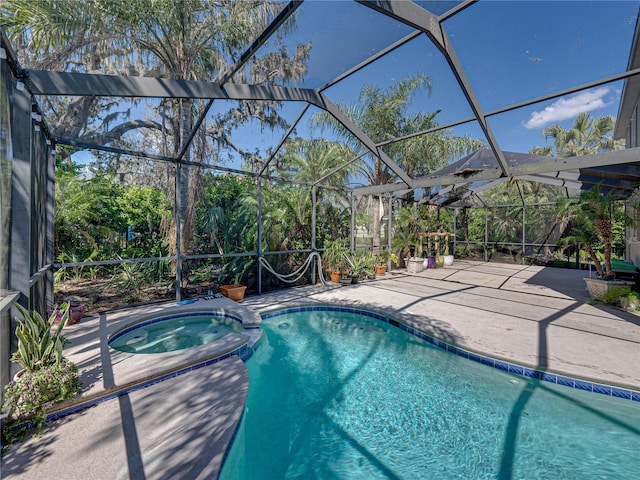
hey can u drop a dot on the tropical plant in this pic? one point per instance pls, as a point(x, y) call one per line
point(385, 113)
point(360, 265)
point(384, 257)
point(403, 241)
point(38, 346)
point(587, 135)
point(233, 271)
point(47, 377)
point(310, 160)
point(185, 40)
point(590, 224)
point(334, 255)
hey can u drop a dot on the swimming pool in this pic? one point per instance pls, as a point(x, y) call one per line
point(174, 332)
point(341, 395)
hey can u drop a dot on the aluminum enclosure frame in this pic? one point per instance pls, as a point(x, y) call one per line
point(31, 279)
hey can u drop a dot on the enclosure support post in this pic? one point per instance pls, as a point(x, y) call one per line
point(178, 201)
point(353, 225)
point(389, 226)
point(313, 233)
point(486, 234)
point(19, 127)
point(21, 241)
point(50, 209)
point(455, 229)
point(524, 237)
point(259, 240)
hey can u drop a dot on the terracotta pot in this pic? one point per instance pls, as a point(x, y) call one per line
point(380, 269)
point(76, 312)
point(335, 276)
point(233, 292)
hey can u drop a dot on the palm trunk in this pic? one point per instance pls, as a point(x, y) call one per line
point(596, 261)
point(606, 232)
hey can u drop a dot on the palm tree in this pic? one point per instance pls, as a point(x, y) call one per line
point(586, 136)
point(596, 208)
point(310, 160)
point(384, 114)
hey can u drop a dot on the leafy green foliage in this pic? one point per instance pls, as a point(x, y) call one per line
point(38, 346)
point(587, 135)
point(361, 264)
point(28, 397)
point(46, 379)
point(613, 295)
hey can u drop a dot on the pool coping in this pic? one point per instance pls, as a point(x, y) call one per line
point(138, 371)
point(244, 344)
point(549, 376)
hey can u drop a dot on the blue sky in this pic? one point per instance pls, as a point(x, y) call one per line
point(510, 51)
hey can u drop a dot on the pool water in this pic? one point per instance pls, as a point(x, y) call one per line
point(342, 396)
point(174, 333)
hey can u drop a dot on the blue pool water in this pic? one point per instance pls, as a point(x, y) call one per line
point(342, 396)
point(176, 332)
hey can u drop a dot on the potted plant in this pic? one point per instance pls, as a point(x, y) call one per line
point(76, 312)
point(46, 378)
point(234, 291)
point(592, 225)
point(333, 259)
point(346, 279)
point(448, 259)
point(404, 242)
point(380, 268)
point(360, 266)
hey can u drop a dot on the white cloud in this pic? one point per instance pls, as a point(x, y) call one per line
point(566, 108)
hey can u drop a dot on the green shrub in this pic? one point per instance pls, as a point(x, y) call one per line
point(46, 378)
point(33, 392)
point(613, 295)
point(631, 302)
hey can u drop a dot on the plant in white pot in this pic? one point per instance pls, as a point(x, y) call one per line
point(46, 378)
point(592, 225)
point(448, 258)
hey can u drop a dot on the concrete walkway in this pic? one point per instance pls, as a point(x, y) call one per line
point(180, 428)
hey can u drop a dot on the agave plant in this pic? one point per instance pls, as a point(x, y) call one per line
point(39, 345)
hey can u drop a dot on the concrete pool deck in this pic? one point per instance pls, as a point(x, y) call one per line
point(180, 428)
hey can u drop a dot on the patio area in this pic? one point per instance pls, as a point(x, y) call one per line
point(181, 427)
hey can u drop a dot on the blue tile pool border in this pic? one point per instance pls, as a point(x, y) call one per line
point(520, 370)
point(244, 351)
